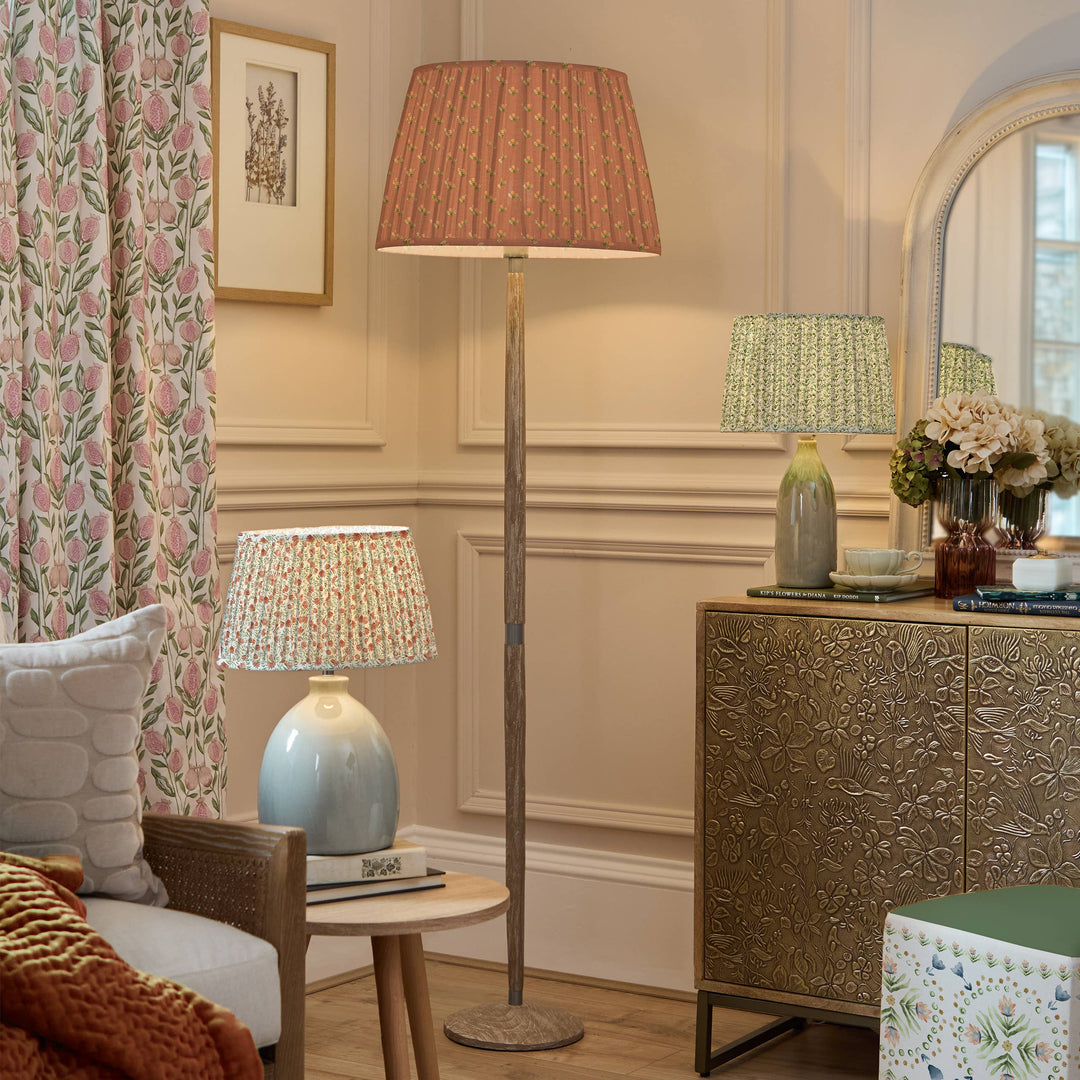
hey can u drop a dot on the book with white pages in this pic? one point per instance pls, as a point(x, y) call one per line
point(401, 860)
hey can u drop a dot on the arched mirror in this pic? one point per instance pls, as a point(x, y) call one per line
point(992, 262)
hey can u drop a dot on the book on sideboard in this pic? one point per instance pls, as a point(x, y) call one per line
point(355, 890)
point(1012, 594)
point(401, 860)
point(826, 592)
point(1060, 608)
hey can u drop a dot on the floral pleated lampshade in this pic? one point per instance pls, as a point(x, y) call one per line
point(809, 373)
point(498, 157)
point(966, 369)
point(326, 599)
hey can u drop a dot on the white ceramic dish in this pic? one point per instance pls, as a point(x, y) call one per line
point(872, 582)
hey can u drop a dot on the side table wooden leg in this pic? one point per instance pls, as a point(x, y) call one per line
point(419, 1003)
point(386, 952)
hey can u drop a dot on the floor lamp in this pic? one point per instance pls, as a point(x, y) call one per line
point(517, 160)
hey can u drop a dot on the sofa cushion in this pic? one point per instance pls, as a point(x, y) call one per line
point(225, 965)
point(70, 716)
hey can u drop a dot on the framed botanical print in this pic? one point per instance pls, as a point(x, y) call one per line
point(273, 116)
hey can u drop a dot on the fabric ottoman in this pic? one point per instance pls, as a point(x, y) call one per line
point(982, 985)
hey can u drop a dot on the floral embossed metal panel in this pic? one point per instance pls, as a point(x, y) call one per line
point(833, 791)
point(1023, 758)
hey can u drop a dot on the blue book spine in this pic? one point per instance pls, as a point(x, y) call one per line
point(974, 602)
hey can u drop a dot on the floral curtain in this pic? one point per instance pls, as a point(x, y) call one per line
point(106, 352)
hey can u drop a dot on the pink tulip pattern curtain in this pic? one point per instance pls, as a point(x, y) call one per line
point(106, 352)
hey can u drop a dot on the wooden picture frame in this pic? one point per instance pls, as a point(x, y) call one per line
point(273, 165)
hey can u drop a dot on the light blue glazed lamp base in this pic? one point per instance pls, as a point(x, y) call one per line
point(329, 769)
point(806, 521)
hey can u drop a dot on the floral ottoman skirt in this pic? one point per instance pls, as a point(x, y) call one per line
point(958, 1005)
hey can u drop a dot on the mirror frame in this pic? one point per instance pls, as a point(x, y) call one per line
point(922, 262)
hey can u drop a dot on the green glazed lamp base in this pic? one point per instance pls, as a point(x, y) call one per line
point(806, 521)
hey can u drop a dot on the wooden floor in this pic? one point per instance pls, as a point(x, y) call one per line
point(626, 1034)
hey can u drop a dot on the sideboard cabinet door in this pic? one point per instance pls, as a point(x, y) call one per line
point(832, 791)
point(1023, 758)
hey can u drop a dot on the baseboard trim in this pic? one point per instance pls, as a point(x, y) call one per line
point(587, 864)
point(582, 908)
point(557, 859)
point(588, 913)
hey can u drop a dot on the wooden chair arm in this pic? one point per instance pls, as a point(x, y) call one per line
point(252, 877)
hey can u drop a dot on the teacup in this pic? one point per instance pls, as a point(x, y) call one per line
point(877, 562)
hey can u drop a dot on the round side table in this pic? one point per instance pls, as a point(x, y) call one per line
point(394, 922)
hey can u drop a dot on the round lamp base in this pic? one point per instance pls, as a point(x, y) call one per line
point(498, 1026)
point(328, 767)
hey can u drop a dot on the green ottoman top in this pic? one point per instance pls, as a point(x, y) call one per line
point(1042, 917)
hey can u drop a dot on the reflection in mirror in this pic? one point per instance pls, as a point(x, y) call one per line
point(964, 368)
point(1011, 281)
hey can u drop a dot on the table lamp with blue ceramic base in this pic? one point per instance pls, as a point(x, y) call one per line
point(321, 600)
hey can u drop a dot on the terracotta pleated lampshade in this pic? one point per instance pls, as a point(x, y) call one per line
point(326, 598)
point(498, 157)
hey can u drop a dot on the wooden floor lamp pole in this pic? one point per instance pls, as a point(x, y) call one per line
point(514, 614)
point(515, 1025)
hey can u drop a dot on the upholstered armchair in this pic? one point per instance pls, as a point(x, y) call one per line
point(251, 877)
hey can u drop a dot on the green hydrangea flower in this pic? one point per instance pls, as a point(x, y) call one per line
point(915, 465)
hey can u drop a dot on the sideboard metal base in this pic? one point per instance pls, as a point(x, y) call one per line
point(789, 1019)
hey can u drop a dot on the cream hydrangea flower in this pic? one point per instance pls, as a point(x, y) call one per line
point(1028, 437)
point(1063, 442)
point(976, 426)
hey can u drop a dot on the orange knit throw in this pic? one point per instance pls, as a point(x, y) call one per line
point(71, 1008)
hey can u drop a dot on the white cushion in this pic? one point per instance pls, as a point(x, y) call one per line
point(225, 965)
point(70, 715)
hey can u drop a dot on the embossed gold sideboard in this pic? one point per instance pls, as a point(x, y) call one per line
point(853, 757)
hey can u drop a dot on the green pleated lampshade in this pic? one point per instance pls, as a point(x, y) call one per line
point(966, 369)
point(809, 373)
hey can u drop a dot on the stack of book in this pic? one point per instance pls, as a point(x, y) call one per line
point(402, 867)
point(1009, 600)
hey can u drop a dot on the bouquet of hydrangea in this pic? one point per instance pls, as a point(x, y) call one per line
point(977, 434)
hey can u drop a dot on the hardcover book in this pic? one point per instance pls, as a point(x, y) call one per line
point(401, 860)
point(790, 592)
point(355, 890)
point(1012, 594)
point(974, 602)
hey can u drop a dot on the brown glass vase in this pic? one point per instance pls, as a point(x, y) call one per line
point(964, 558)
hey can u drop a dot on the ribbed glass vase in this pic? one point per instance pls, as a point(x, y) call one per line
point(964, 558)
point(1020, 520)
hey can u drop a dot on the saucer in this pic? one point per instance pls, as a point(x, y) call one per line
point(873, 582)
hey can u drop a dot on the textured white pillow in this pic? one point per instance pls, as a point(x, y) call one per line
point(70, 715)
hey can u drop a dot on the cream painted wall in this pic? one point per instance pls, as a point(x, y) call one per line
point(640, 506)
point(784, 138)
point(317, 407)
